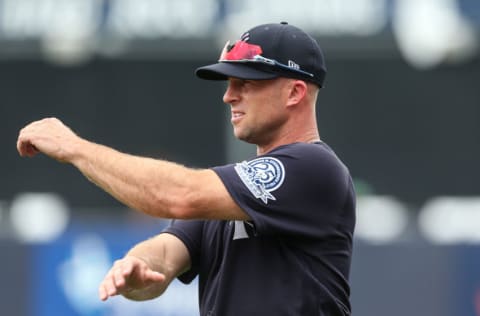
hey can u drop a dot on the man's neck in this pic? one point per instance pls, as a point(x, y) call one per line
point(308, 137)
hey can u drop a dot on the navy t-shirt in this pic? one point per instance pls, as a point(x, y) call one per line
point(293, 257)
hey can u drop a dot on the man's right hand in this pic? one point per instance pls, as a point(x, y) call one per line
point(49, 136)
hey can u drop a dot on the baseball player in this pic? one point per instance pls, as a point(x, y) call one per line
point(271, 235)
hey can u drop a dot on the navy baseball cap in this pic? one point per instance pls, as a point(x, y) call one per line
point(270, 51)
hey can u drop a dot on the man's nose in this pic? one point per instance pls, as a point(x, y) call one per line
point(231, 94)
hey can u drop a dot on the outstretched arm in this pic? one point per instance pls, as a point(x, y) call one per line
point(147, 269)
point(156, 187)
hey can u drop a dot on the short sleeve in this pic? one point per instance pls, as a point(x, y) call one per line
point(190, 233)
point(299, 189)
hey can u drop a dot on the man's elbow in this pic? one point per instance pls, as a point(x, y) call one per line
point(186, 206)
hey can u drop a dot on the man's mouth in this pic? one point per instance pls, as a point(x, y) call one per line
point(237, 116)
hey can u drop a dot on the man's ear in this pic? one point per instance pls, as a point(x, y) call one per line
point(297, 92)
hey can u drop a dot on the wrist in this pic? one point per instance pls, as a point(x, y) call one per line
point(82, 153)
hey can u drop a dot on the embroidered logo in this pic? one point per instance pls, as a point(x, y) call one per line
point(261, 176)
point(293, 65)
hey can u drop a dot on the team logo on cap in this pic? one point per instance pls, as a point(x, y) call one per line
point(262, 176)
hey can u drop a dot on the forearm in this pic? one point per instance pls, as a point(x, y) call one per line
point(149, 185)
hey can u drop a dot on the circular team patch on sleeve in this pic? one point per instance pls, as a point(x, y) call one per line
point(261, 176)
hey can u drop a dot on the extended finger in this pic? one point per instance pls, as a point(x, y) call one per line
point(109, 284)
point(119, 278)
point(102, 292)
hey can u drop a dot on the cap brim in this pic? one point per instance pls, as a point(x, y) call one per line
point(224, 70)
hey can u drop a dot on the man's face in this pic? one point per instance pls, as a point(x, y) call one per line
point(257, 107)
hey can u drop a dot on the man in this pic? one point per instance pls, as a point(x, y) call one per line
point(269, 236)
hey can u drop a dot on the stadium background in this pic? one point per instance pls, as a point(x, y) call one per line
point(401, 107)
